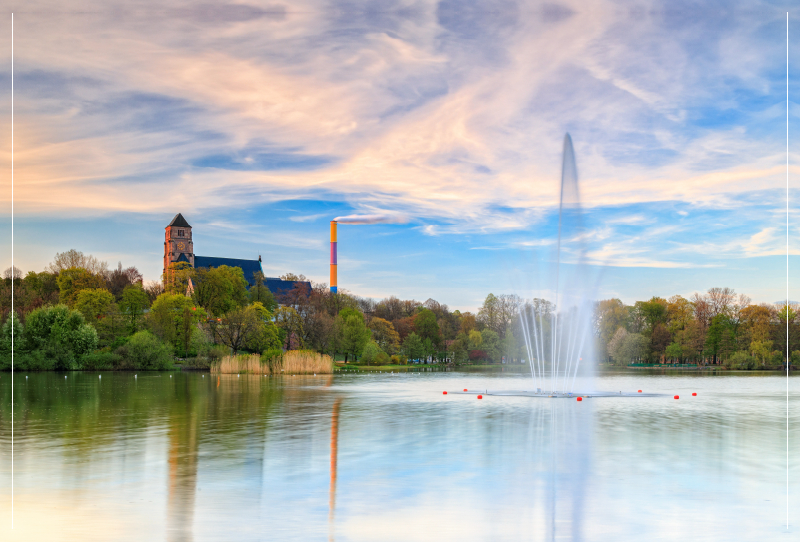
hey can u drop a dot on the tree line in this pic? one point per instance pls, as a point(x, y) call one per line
point(80, 314)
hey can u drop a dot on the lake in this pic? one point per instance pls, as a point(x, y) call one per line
point(367, 457)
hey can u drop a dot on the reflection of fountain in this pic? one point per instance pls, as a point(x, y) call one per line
point(182, 484)
point(334, 458)
point(558, 336)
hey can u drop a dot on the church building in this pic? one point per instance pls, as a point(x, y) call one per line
point(179, 247)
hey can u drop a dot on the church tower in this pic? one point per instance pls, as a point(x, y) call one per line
point(178, 246)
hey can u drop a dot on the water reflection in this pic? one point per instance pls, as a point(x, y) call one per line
point(334, 457)
point(385, 457)
point(184, 439)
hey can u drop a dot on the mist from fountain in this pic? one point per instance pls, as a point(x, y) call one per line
point(558, 335)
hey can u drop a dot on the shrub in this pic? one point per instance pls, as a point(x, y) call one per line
point(217, 352)
point(742, 361)
point(145, 352)
point(61, 334)
point(399, 360)
point(370, 353)
point(382, 358)
point(100, 360)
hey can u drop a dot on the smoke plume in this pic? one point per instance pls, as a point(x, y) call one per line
point(370, 219)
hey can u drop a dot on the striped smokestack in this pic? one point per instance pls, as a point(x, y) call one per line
point(333, 256)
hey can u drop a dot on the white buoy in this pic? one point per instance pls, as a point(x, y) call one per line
point(204, 376)
point(99, 376)
point(26, 376)
point(134, 376)
point(170, 376)
point(237, 376)
point(65, 377)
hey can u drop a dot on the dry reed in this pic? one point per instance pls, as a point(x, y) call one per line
point(291, 362)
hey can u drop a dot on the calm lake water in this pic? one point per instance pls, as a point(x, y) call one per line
point(367, 457)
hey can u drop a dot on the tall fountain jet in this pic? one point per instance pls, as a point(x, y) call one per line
point(558, 335)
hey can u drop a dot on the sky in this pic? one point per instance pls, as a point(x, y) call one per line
point(262, 121)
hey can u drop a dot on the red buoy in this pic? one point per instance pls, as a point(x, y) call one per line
point(465, 389)
point(444, 393)
point(677, 397)
point(694, 394)
point(480, 397)
point(580, 398)
point(640, 391)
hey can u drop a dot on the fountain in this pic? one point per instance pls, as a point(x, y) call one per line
point(558, 336)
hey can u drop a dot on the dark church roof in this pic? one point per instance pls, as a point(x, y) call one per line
point(278, 286)
point(179, 221)
point(248, 266)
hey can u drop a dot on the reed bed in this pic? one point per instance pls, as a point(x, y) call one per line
point(300, 362)
point(291, 362)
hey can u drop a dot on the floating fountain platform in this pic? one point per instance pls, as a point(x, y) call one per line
point(554, 394)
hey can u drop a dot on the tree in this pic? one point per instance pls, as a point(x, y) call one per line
point(74, 279)
point(177, 277)
point(489, 313)
point(293, 278)
point(288, 320)
point(413, 347)
point(134, 302)
point(611, 314)
point(674, 352)
point(74, 258)
point(354, 332)
point(384, 335)
point(614, 347)
point(654, 312)
point(371, 353)
point(426, 327)
point(259, 293)
point(173, 317)
point(715, 336)
point(468, 323)
point(238, 327)
point(93, 303)
point(117, 279)
point(634, 347)
point(659, 339)
point(491, 344)
point(221, 289)
point(61, 334)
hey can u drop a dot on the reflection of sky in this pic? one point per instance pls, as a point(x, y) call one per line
point(412, 464)
point(270, 119)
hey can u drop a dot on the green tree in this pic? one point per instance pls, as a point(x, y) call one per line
point(674, 352)
point(172, 318)
point(60, 334)
point(74, 279)
point(133, 304)
point(371, 353)
point(354, 332)
point(177, 278)
point(491, 344)
point(239, 327)
point(93, 303)
point(426, 327)
point(413, 347)
point(221, 289)
point(144, 351)
point(259, 293)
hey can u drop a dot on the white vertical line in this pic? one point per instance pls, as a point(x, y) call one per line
point(787, 270)
point(12, 271)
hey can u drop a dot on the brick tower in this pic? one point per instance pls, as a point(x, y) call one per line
point(178, 246)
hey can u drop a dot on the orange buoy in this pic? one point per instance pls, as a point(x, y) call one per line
point(694, 394)
point(640, 391)
point(480, 397)
point(444, 393)
point(580, 398)
point(677, 397)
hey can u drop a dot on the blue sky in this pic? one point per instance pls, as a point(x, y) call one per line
point(261, 121)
